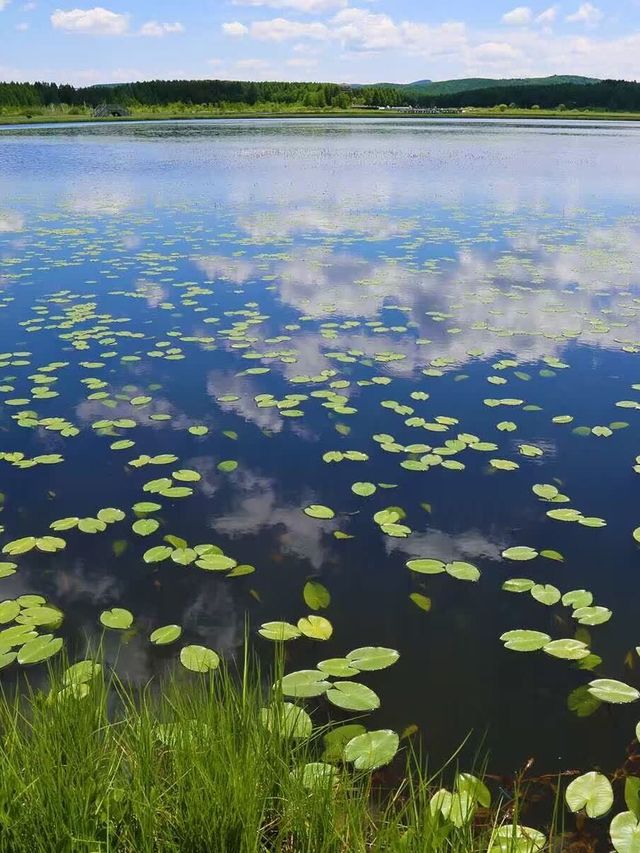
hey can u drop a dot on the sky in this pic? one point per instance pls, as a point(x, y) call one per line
point(342, 41)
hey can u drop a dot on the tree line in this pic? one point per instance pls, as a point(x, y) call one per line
point(154, 94)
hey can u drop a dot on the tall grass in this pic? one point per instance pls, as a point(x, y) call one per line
point(188, 765)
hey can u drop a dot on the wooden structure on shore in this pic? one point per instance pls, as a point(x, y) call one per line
point(111, 111)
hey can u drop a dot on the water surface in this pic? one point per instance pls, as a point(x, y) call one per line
point(367, 260)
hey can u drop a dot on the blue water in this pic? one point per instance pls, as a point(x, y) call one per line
point(369, 249)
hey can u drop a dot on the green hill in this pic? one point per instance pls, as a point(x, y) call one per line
point(469, 84)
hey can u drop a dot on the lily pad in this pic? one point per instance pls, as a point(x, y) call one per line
point(372, 750)
point(165, 635)
point(591, 792)
point(351, 696)
point(199, 658)
point(612, 691)
point(117, 618)
point(319, 511)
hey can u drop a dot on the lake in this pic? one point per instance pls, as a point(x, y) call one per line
point(444, 313)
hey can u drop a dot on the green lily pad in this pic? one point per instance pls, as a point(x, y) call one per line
point(306, 683)
point(157, 554)
point(165, 635)
point(39, 649)
point(546, 593)
point(315, 627)
point(463, 571)
point(338, 668)
point(351, 696)
point(279, 631)
point(612, 691)
point(287, 719)
point(199, 658)
point(363, 490)
point(117, 618)
point(591, 792)
point(319, 511)
point(523, 640)
point(567, 649)
point(373, 658)
point(427, 567)
point(372, 750)
point(520, 552)
point(145, 526)
point(316, 596)
point(625, 833)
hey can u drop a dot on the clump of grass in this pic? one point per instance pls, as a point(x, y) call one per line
point(188, 764)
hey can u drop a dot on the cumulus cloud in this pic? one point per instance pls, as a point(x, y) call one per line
point(547, 17)
point(518, 17)
point(157, 30)
point(282, 29)
point(235, 28)
point(308, 6)
point(96, 21)
point(587, 14)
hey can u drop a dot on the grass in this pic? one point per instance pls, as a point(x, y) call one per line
point(187, 764)
point(198, 113)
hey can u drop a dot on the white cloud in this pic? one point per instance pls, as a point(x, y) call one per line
point(548, 16)
point(4, 4)
point(518, 17)
point(96, 21)
point(495, 51)
point(281, 29)
point(587, 14)
point(235, 28)
point(157, 30)
point(22, 27)
point(298, 5)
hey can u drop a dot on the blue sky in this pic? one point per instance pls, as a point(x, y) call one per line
point(332, 40)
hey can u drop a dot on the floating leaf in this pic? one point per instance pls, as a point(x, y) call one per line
point(546, 593)
point(567, 649)
point(287, 719)
point(520, 552)
point(625, 833)
point(373, 658)
point(615, 692)
point(117, 618)
point(427, 567)
point(463, 571)
point(145, 526)
point(39, 649)
point(351, 696)
point(591, 792)
point(165, 635)
point(199, 658)
point(525, 641)
point(364, 490)
point(306, 683)
point(421, 601)
point(315, 627)
point(279, 631)
point(316, 596)
point(319, 511)
point(372, 750)
point(157, 554)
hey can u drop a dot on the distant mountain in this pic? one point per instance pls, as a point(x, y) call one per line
point(469, 84)
point(472, 84)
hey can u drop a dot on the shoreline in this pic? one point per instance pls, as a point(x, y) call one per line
point(24, 121)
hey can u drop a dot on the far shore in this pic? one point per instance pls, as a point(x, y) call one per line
point(567, 115)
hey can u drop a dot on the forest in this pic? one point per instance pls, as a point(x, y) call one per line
point(156, 94)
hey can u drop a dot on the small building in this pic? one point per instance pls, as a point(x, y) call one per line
point(111, 111)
